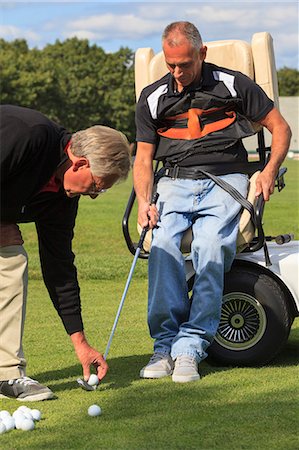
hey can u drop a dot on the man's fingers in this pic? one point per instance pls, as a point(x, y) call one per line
point(86, 373)
point(101, 368)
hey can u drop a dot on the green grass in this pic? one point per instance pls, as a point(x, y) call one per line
point(230, 408)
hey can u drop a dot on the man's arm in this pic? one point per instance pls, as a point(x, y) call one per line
point(55, 233)
point(281, 136)
point(143, 184)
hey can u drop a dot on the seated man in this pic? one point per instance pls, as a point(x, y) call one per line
point(44, 169)
point(193, 118)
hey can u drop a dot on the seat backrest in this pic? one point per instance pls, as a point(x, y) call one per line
point(255, 60)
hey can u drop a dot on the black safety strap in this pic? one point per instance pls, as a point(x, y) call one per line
point(233, 192)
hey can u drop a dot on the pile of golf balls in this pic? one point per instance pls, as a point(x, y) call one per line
point(22, 418)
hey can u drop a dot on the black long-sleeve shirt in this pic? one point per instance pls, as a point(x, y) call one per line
point(31, 150)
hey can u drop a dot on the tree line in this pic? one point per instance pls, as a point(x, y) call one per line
point(78, 85)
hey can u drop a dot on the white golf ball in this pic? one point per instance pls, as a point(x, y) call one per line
point(18, 413)
point(93, 380)
point(2, 428)
point(28, 415)
point(291, 155)
point(36, 414)
point(9, 423)
point(27, 425)
point(94, 410)
point(4, 413)
point(23, 408)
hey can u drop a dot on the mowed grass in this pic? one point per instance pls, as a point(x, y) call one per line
point(230, 408)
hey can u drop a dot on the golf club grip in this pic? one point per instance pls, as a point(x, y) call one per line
point(145, 229)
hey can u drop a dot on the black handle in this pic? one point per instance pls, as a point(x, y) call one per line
point(145, 229)
point(283, 238)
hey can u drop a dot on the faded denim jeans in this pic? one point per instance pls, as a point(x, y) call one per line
point(178, 324)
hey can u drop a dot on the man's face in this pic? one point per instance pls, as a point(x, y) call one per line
point(184, 62)
point(79, 180)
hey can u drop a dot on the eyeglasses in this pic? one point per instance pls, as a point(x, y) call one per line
point(94, 190)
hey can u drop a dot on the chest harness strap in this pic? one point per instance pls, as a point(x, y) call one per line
point(196, 128)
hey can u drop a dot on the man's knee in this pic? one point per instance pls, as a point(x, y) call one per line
point(10, 234)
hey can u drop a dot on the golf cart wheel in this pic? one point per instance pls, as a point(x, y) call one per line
point(255, 319)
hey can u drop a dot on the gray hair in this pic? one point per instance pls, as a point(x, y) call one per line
point(173, 32)
point(107, 150)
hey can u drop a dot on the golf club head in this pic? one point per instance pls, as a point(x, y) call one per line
point(84, 385)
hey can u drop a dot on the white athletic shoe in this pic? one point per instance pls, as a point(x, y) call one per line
point(185, 369)
point(160, 365)
point(25, 389)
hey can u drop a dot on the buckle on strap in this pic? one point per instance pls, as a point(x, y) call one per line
point(172, 172)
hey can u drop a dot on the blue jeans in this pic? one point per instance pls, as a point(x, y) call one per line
point(178, 324)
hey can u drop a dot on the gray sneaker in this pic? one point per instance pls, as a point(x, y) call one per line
point(25, 390)
point(185, 369)
point(160, 365)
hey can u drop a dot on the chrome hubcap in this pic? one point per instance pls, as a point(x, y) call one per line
point(243, 322)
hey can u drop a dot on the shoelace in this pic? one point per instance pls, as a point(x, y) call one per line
point(23, 380)
point(185, 361)
point(157, 357)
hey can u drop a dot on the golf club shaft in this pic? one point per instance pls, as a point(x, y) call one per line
point(138, 249)
point(122, 302)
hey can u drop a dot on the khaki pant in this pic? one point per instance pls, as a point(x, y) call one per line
point(13, 294)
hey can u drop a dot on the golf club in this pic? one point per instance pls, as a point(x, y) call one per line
point(84, 384)
point(138, 250)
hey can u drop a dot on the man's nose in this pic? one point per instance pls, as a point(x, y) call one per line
point(177, 71)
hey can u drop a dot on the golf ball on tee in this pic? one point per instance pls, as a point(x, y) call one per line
point(93, 380)
point(94, 410)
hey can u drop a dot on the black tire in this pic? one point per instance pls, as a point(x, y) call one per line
point(255, 320)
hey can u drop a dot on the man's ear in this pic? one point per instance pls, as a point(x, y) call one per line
point(203, 52)
point(79, 163)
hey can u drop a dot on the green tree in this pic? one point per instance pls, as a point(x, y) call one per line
point(288, 82)
point(72, 82)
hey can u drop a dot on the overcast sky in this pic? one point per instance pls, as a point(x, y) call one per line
point(140, 23)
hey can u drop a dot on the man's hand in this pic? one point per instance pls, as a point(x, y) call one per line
point(281, 136)
point(88, 356)
point(265, 183)
point(147, 215)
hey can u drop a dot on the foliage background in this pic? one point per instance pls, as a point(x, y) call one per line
point(78, 85)
point(74, 83)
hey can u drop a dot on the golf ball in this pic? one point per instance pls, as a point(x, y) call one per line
point(9, 423)
point(18, 418)
point(4, 413)
point(2, 428)
point(94, 410)
point(36, 414)
point(93, 380)
point(27, 425)
point(291, 155)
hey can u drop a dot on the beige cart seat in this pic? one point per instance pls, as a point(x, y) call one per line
point(256, 60)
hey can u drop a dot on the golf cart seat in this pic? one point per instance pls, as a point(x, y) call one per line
point(256, 60)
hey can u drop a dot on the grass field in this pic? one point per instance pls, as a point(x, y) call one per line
point(230, 408)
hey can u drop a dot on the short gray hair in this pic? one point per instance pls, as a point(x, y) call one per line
point(107, 150)
point(173, 31)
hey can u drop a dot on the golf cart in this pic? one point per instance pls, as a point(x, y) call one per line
point(260, 299)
